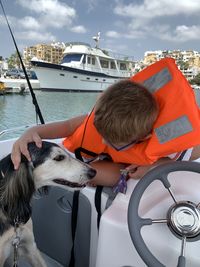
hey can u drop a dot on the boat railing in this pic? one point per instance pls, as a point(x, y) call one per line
point(15, 129)
point(121, 57)
point(19, 130)
point(77, 43)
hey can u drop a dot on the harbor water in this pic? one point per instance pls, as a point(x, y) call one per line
point(17, 110)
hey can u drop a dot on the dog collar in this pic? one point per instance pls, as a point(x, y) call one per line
point(121, 187)
point(16, 242)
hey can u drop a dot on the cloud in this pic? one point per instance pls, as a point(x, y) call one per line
point(91, 4)
point(151, 18)
point(51, 13)
point(11, 20)
point(155, 8)
point(113, 34)
point(45, 14)
point(2, 20)
point(35, 36)
point(78, 29)
point(182, 33)
point(29, 23)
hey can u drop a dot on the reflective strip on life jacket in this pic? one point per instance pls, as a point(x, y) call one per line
point(173, 129)
point(158, 80)
point(197, 96)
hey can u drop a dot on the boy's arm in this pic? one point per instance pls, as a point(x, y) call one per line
point(45, 131)
point(55, 130)
point(137, 172)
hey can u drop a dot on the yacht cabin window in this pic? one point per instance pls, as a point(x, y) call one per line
point(104, 63)
point(112, 65)
point(122, 66)
point(71, 57)
point(84, 59)
point(93, 60)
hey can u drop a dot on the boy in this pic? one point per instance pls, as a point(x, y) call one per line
point(111, 110)
point(136, 128)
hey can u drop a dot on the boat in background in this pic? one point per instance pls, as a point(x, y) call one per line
point(83, 68)
point(18, 85)
point(2, 88)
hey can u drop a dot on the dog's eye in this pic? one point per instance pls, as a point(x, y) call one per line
point(59, 157)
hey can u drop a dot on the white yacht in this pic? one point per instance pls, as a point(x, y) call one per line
point(83, 68)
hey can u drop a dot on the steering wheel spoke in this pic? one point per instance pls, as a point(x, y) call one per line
point(164, 179)
point(145, 221)
point(159, 221)
point(172, 194)
point(181, 258)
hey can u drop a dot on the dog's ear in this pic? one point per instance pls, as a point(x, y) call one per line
point(17, 188)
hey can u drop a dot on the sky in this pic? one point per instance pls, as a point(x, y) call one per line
point(127, 27)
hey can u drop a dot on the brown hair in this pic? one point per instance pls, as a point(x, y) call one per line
point(126, 111)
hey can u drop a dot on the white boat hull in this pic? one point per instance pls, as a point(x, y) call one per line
point(16, 83)
point(54, 77)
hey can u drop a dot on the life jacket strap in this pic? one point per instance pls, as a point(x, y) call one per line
point(74, 217)
point(80, 150)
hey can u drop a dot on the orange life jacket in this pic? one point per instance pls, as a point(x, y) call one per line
point(176, 129)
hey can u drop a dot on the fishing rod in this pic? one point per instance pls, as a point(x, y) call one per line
point(34, 100)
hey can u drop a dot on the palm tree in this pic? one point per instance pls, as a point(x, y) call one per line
point(13, 61)
point(196, 80)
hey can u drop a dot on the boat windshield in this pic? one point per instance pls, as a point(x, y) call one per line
point(71, 57)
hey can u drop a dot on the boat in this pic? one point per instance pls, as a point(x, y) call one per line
point(2, 88)
point(156, 223)
point(18, 83)
point(83, 68)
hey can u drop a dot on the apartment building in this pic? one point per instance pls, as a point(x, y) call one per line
point(188, 61)
point(190, 56)
point(48, 52)
point(152, 56)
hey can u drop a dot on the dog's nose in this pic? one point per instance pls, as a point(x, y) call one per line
point(91, 173)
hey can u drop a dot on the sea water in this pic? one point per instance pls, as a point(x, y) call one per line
point(18, 110)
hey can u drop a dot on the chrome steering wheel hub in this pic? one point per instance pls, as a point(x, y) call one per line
point(184, 219)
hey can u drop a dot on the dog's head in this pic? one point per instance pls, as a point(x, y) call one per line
point(51, 165)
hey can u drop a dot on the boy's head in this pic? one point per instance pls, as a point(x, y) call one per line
point(125, 113)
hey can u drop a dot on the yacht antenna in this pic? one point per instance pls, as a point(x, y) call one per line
point(34, 100)
point(97, 39)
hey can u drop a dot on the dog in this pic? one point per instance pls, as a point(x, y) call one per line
point(50, 165)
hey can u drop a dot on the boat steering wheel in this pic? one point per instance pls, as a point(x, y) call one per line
point(183, 217)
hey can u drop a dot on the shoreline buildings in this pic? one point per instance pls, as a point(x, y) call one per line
point(187, 60)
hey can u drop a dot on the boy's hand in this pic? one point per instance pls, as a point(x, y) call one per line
point(21, 147)
point(137, 172)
